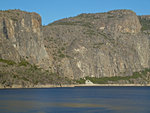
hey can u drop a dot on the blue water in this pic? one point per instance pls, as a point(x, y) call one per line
point(76, 100)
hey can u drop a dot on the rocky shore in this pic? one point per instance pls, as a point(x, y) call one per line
point(74, 85)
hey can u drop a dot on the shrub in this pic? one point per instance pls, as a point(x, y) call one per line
point(66, 23)
point(25, 79)
point(62, 48)
point(62, 56)
point(145, 24)
point(9, 62)
point(87, 24)
point(80, 81)
point(97, 45)
point(105, 80)
point(110, 16)
point(90, 32)
point(23, 63)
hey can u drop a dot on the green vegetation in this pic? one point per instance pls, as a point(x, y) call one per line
point(84, 15)
point(25, 74)
point(69, 56)
point(34, 67)
point(145, 24)
point(23, 63)
point(110, 16)
point(105, 80)
point(88, 16)
point(97, 45)
point(62, 55)
point(66, 23)
point(110, 39)
point(14, 19)
point(59, 51)
point(104, 35)
point(73, 22)
point(9, 62)
point(80, 81)
point(90, 32)
point(87, 24)
point(62, 48)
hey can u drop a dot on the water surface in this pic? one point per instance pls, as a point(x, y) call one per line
point(76, 100)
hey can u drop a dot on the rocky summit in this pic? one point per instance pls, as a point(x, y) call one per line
point(114, 45)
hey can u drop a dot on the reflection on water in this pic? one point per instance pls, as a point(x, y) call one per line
point(76, 100)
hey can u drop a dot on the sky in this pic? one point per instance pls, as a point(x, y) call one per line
point(52, 10)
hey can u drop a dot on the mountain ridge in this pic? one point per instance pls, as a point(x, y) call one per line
point(110, 44)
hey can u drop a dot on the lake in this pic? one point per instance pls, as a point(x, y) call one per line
point(76, 100)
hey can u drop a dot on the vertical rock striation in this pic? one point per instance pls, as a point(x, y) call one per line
point(21, 37)
point(109, 44)
point(98, 45)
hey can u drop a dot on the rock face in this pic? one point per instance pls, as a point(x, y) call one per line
point(124, 21)
point(21, 37)
point(98, 45)
point(109, 44)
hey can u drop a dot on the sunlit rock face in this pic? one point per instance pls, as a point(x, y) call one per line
point(98, 45)
point(21, 37)
point(115, 43)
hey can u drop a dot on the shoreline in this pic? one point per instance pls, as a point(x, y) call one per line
point(73, 85)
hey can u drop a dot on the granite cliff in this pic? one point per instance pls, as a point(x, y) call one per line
point(111, 44)
point(98, 45)
point(21, 37)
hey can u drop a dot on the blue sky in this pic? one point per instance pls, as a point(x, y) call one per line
point(51, 10)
